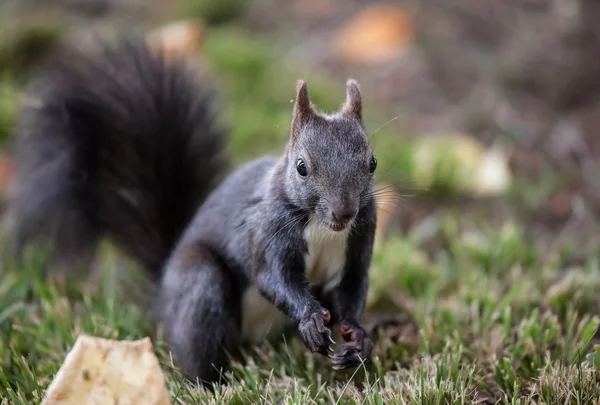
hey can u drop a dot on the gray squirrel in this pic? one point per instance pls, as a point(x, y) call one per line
point(121, 143)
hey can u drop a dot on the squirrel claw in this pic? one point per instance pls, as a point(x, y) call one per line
point(331, 340)
point(349, 361)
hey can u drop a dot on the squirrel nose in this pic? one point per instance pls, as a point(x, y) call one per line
point(343, 214)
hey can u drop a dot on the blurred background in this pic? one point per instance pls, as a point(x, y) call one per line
point(484, 116)
point(507, 89)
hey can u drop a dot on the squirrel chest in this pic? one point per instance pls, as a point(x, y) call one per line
point(326, 255)
point(324, 265)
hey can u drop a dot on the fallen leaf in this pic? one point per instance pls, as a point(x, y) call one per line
point(460, 163)
point(177, 39)
point(378, 33)
point(102, 371)
point(492, 176)
point(401, 327)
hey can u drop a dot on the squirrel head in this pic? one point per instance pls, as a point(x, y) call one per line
point(330, 166)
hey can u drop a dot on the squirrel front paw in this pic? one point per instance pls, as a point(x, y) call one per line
point(356, 351)
point(316, 336)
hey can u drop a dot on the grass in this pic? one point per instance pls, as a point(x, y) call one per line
point(488, 316)
point(495, 321)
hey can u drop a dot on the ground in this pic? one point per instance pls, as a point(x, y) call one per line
point(487, 300)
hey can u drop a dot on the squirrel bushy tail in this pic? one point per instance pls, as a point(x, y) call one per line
point(118, 143)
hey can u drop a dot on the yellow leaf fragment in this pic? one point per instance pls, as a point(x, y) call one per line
point(182, 38)
point(461, 163)
point(101, 371)
point(377, 34)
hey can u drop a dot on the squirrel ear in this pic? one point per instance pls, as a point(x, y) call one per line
point(303, 109)
point(353, 105)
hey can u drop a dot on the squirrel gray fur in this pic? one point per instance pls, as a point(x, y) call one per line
point(121, 143)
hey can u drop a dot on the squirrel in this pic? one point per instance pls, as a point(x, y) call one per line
point(123, 144)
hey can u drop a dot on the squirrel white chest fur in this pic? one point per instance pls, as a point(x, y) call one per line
point(326, 257)
point(324, 265)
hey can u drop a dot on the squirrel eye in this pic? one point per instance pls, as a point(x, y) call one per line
point(301, 167)
point(373, 165)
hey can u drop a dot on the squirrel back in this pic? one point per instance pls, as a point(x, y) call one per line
point(117, 142)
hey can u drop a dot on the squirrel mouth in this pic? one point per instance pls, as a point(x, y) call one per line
point(336, 227)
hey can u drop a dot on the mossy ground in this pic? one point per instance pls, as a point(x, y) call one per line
point(488, 315)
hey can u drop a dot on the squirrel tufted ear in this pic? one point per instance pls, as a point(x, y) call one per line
point(353, 105)
point(303, 108)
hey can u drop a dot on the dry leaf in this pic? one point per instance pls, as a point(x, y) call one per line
point(102, 371)
point(461, 162)
point(376, 34)
point(180, 38)
point(401, 327)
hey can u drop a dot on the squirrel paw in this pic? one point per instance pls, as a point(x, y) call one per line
point(356, 351)
point(316, 336)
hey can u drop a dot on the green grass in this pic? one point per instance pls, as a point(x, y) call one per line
point(493, 319)
point(488, 315)
point(8, 106)
point(214, 12)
